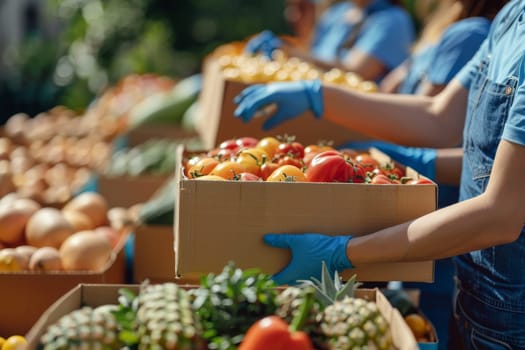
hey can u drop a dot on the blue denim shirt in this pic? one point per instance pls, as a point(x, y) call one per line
point(492, 281)
point(386, 34)
point(440, 62)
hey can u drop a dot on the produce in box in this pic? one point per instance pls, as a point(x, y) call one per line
point(235, 309)
point(83, 235)
point(284, 159)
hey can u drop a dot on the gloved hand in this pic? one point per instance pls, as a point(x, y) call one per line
point(423, 160)
point(265, 42)
point(292, 99)
point(309, 250)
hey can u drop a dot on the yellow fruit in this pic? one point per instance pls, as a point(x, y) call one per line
point(417, 324)
point(15, 342)
point(2, 341)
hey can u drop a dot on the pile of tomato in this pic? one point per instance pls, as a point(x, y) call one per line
point(283, 159)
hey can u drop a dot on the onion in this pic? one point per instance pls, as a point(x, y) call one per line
point(12, 261)
point(79, 220)
point(13, 219)
point(48, 227)
point(91, 204)
point(85, 250)
point(45, 259)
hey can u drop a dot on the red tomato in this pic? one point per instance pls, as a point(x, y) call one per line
point(267, 169)
point(247, 177)
point(290, 148)
point(330, 166)
point(229, 144)
point(392, 169)
point(420, 181)
point(246, 142)
point(287, 173)
point(380, 179)
point(224, 154)
point(359, 174)
point(366, 161)
point(287, 160)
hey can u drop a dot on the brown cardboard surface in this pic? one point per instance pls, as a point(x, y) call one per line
point(125, 191)
point(221, 221)
point(154, 256)
point(96, 295)
point(218, 122)
point(147, 132)
point(26, 295)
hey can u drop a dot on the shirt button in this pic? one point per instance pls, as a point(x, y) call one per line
point(508, 90)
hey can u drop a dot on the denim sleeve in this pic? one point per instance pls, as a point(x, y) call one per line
point(387, 36)
point(458, 45)
point(468, 72)
point(514, 130)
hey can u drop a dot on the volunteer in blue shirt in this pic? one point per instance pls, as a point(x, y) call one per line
point(368, 37)
point(484, 107)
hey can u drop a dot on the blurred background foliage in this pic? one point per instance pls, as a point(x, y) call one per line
point(95, 43)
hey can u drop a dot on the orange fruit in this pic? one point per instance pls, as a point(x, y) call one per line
point(15, 342)
point(417, 324)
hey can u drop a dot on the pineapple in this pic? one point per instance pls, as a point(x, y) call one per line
point(289, 303)
point(354, 324)
point(344, 322)
point(85, 328)
point(165, 319)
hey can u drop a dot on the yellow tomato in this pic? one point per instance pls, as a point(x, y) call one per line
point(2, 341)
point(287, 173)
point(228, 170)
point(15, 342)
point(210, 178)
point(203, 167)
point(269, 144)
point(252, 159)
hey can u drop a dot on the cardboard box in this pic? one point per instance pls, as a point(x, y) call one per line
point(26, 295)
point(96, 295)
point(218, 123)
point(125, 191)
point(153, 254)
point(148, 132)
point(219, 221)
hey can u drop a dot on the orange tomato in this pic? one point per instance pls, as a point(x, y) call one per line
point(269, 144)
point(203, 167)
point(287, 173)
point(228, 169)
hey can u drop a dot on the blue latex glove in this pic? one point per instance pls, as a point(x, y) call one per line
point(292, 99)
point(309, 250)
point(423, 160)
point(266, 43)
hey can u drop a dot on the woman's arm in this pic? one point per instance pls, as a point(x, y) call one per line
point(403, 119)
point(448, 165)
point(493, 218)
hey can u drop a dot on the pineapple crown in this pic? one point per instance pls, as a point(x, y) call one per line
point(329, 290)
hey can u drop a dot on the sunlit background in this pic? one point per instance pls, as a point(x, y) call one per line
point(68, 51)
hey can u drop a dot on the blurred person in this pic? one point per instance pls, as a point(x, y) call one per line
point(301, 15)
point(367, 37)
point(451, 36)
point(483, 108)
